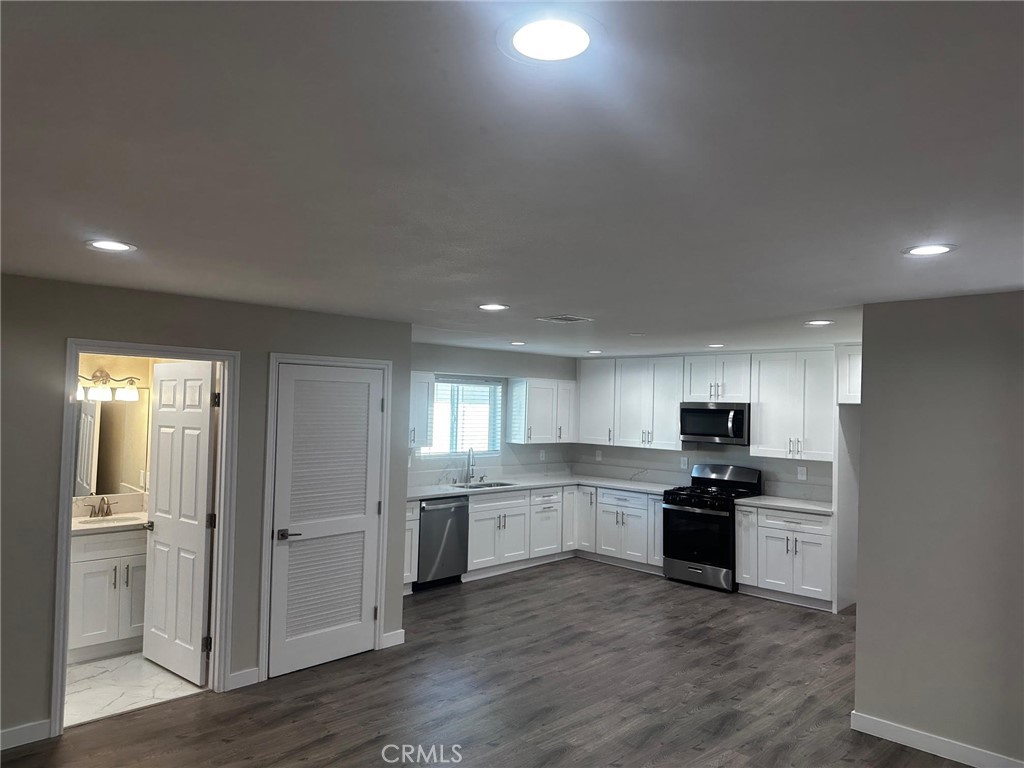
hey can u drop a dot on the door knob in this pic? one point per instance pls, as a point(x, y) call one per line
point(284, 535)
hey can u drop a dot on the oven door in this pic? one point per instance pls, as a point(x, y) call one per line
point(715, 423)
point(700, 545)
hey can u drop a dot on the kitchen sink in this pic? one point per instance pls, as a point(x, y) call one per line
point(470, 486)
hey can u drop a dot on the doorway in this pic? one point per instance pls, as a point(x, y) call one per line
point(142, 563)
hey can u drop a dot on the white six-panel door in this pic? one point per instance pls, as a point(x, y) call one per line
point(327, 481)
point(180, 493)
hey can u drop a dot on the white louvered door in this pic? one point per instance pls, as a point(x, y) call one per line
point(181, 488)
point(326, 491)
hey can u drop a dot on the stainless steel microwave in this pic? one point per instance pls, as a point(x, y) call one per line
point(715, 423)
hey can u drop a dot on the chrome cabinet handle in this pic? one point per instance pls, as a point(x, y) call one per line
point(127, 571)
point(529, 432)
point(559, 431)
point(504, 522)
point(790, 446)
point(795, 542)
point(549, 507)
point(616, 517)
point(115, 577)
point(609, 435)
point(412, 435)
point(711, 389)
point(787, 545)
point(591, 498)
point(799, 445)
point(720, 388)
point(497, 522)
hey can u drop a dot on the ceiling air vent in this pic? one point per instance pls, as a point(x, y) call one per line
point(566, 319)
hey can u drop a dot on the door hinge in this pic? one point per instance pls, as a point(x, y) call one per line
point(382, 405)
point(207, 646)
point(215, 399)
point(379, 508)
point(211, 520)
point(375, 613)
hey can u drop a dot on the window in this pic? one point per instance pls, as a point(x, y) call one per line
point(466, 414)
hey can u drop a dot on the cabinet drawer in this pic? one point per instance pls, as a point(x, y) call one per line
point(622, 498)
point(795, 521)
point(412, 510)
point(546, 495)
point(551, 506)
point(97, 546)
point(486, 502)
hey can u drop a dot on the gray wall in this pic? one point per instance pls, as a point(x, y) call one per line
point(940, 630)
point(38, 316)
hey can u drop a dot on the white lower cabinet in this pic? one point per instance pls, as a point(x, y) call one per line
point(655, 531)
point(622, 532)
point(792, 560)
point(514, 538)
point(484, 531)
point(412, 551)
point(586, 518)
point(746, 546)
point(499, 528)
point(545, 529)
point(107, 598)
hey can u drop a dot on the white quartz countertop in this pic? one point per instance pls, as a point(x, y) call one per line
point(787, 505)
point(83, 526)
point(538, 481)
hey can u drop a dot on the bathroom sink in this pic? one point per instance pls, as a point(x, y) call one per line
point(472, 486)
point(112, 520)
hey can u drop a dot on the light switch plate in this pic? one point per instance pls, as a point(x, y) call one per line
point(684, 463)
point(597, 455)
point(542, 454)
point(801, 473)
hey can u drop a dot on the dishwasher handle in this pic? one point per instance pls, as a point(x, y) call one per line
point(424, 507)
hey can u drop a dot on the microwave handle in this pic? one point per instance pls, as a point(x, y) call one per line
point(731, 414)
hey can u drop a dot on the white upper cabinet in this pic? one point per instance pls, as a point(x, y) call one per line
point(632, 402)
point(816, 397)
point(647, 396)
point(532, 411)
point(596, 398)
point(711, 378)
point(565, 412)
point(849, 360)
point(791, 405)
point(421, 399)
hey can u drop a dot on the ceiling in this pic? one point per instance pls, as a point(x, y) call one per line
point(706, 172)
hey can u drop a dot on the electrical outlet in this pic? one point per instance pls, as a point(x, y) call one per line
point(684, 463)
point(801, 473)
point(597, 456)
point(542, 454)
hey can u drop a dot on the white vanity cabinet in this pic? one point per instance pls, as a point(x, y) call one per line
point(412, 542)
point(596, 401)
point(791, 405)
point(849, 362)
point(421, 402)
point(107, 594)
point(712, 378)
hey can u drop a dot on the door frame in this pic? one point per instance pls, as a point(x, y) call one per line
point(277, 359)
point(222, 567)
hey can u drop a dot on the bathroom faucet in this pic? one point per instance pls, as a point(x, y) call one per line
point(470, 466)
point(104, 509)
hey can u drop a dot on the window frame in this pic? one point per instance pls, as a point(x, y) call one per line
point(500, 387)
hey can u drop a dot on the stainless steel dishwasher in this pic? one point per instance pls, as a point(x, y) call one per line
point(444, 539)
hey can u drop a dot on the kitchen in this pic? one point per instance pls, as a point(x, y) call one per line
point(732, 470)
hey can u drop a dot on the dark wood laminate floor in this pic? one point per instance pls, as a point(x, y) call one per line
point(570, 664)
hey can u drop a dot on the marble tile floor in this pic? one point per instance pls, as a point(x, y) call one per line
point(105, 687)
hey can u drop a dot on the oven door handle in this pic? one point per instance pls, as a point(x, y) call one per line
point(716, 512)
point(729, 424)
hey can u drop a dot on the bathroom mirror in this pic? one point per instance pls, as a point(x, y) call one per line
point(113, 446)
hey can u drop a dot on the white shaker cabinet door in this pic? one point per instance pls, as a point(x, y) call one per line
point(774, 422)
point(483, 539)
point(545, 529)
point(632, 402)
point(774, 559)
point(596, 401)
point(812, 565)
point(746, 546)
point(514, 538)
point(733, 374)
point(412, 551)
point(93, 602)
point(609, 531)
point(815, 395)
point(655, 531)
point(699, 379)
point(666, 383)
point(586, 518)
point(132, 596)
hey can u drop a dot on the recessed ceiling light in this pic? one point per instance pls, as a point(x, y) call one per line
point(715, 346)
point(550, 40)
point(936, 249)
point(111, 246)
point(819, 323)
point(493, 307)
point(518, 343)
point(594, 352)
point(637, 334)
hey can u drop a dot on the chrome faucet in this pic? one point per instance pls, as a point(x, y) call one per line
point(470, 466)
point(104, 509)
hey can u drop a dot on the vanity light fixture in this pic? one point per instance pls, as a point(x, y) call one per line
point(110, 246)
point(819, 323)
point(925, 251)
point(493, 307)
point(100, 391)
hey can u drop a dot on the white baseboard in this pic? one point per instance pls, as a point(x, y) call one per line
point(242, 678)
point(654, 570)
point(518, 565)
point(929, 742)
point(785, 597)
point(24, 734)
point(105, 650)
point(407, 589)
point(392, 638)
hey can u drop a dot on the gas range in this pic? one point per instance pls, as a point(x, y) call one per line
point(699, 529)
